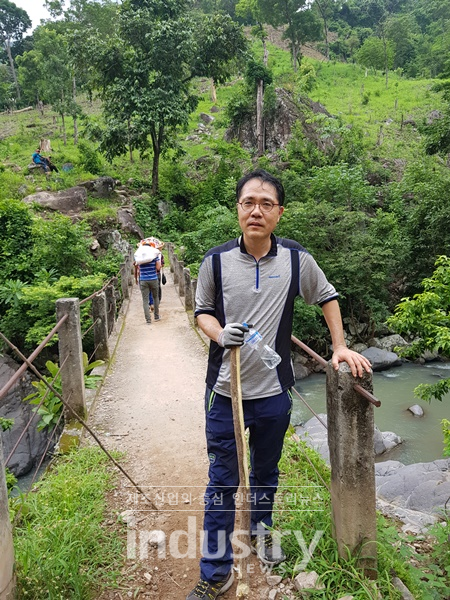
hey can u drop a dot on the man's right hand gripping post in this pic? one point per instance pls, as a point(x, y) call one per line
point(232, 335)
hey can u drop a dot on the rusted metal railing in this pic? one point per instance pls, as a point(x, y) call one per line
point(367, 395)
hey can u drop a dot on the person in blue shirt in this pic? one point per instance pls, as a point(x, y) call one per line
point(147, 275)
point(40, 160)
point(43, 161)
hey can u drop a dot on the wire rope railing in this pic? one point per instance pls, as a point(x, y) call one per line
point(35, 413)
point(21, 370)
point(65, 321)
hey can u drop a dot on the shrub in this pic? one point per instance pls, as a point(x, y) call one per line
point(89, 158)
point(60, 244)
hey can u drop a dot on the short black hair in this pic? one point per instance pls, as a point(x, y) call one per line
point(263, 176)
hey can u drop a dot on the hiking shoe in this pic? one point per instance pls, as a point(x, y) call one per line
point(157, 318)
point(208, 590)
point(268, 549)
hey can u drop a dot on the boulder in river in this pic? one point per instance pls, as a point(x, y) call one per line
point(416, 410)
point(314, 433)
point(381, 359)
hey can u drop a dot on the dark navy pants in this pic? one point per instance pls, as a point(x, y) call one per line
point(267, 420)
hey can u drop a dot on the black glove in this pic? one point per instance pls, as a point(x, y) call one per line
point(232, 335)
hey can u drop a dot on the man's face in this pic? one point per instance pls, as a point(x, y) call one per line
point(256, 224)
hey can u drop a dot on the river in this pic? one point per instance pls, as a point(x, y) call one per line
point(423, 438)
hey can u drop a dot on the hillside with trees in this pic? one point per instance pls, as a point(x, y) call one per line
point(367, 174)
point(347, 101)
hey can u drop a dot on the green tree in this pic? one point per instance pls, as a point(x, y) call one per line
point(404, 32)
point(427, 315)
point(371, 53)
point(421, 204)
point(31, 76)
point(14, 22)
point(145, 73)
point(302, 23)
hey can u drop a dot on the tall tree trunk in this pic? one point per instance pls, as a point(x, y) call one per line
point(13, 70)
point(75, 120)
point(157, 139)
point(296, 55)
point(386, 67)
point(130, 144)
point(63, 128)
point(213, 92)
point(260, 117)
point(325, 28)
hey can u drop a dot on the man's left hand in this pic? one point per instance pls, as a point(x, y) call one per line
point(357, 362)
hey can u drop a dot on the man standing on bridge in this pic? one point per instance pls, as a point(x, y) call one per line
point(255, 279)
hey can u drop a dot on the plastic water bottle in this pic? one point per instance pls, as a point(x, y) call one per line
point(267, 354)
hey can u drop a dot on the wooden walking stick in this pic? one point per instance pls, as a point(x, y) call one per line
point(243, 587)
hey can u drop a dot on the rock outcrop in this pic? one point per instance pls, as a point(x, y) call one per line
point(68, 202)
point(128, 224)
point(103, 187)
point(416, 494)
point(33, 444)
point(288, 110)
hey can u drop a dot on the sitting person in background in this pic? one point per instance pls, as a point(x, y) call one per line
point(43, 161)
point(39, 160)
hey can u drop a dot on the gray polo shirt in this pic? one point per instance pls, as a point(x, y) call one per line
point(234, 287)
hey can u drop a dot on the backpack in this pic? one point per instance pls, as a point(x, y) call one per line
point(146, 254)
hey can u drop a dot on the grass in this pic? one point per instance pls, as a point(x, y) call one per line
point(303, 505)
point(361, 98)
point(63, 548)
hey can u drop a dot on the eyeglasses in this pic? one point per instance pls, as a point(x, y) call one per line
point(266, 206)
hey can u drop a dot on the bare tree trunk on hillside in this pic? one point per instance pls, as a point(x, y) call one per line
point(157, 138)
point(75, 120)
point(213, 92)
point(260, 118)
point(325, 28)
point(13, 70)
point(63, 128)
point(294, 56)
point(130, 144)
point(386, 66)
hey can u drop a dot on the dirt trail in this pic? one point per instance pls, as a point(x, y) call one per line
point(151, 407)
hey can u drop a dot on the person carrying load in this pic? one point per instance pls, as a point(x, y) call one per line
point(147, 264)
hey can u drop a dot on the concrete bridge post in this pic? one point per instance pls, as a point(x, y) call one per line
point(7, 578)
point(350, 440)
point(174, 264)
point(188, 303)
point(100, 318)
point(194, 291)
point(71, 348)
point(110, 296)
point(129, 262)
point(181, 278)
point(124, 280)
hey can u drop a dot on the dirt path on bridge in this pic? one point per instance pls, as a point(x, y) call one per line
point(151, 408)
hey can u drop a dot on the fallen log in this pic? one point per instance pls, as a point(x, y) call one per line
point(15, 112)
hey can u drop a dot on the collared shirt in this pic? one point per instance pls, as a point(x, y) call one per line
point(233, 287)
